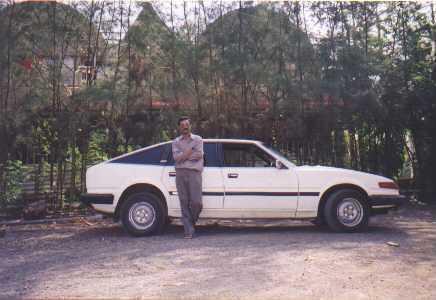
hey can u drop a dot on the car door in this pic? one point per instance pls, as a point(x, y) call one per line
point(213, 185)
point(254, 187)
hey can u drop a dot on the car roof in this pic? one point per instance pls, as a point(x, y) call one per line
point(246, 141)
point(231, 141)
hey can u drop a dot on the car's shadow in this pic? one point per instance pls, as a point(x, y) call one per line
point(230, 229)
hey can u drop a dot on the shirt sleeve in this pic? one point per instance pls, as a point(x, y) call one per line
point(177, 152)
point(197, 152)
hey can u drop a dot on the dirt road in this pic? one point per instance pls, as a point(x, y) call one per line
point(276, 260)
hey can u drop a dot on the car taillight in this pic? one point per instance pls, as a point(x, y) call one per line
point(388, 185)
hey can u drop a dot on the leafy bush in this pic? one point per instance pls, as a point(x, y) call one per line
point(11, 188)
point(96, 151)
point(72, 194)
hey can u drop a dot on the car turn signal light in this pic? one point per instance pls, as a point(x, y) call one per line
point(388, 185)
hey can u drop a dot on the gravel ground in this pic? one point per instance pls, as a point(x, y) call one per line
point(238, 260)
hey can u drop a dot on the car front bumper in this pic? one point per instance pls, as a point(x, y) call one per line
point(382, 203)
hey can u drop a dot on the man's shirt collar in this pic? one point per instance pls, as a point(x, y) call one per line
point(182, 137)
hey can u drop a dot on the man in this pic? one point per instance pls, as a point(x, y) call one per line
point(188, 156)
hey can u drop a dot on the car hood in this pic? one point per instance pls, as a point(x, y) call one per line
point(320, 176)
point(332, 170)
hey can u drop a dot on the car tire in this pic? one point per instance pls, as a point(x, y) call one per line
point(143, 214)
point(347, 211)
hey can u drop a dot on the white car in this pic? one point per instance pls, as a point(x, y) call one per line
point(242, 179)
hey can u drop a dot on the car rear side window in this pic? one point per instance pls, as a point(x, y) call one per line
point(211, 158)
point(147, 157)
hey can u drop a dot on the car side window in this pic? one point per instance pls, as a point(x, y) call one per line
point(246, 155)
point(211, 158)
point(147, 157)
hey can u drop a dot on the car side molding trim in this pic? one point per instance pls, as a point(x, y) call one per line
point(230, 193)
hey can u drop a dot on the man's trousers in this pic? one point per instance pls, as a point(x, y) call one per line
point(189, 189)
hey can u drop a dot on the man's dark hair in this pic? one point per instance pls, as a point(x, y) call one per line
point(181, 119)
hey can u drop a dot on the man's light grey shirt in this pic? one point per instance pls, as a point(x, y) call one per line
point(181, 144)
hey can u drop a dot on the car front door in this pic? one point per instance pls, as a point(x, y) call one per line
point(213, 186)
point(254, 187)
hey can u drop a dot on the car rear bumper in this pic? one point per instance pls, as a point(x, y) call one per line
point(90, 199)
point(382, 203)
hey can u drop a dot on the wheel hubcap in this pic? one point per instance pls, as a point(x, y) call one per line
point(142, 215)
point(350, 212)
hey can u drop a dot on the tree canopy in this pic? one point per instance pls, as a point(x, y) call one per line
point(84, 81)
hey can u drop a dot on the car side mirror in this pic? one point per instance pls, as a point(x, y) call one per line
point(280, 165)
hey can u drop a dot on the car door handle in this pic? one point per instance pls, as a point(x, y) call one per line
point(172, 174)
point(232, 175)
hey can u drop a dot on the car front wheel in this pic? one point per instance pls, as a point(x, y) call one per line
point(142, 214)
point(346, 211)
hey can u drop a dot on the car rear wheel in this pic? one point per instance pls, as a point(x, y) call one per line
point(347, 211)
point(142, 214)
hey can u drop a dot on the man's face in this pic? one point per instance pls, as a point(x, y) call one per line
point(185, 127)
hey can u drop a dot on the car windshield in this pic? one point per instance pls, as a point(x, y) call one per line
point(278, 153)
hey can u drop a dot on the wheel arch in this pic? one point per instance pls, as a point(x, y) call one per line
point(333, 189)
point(138, 188)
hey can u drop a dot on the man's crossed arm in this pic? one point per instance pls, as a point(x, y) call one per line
point(192, 154)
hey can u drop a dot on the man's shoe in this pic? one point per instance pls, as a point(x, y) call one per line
point(190, 235)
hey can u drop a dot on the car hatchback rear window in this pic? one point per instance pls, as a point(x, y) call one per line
point(147, 157)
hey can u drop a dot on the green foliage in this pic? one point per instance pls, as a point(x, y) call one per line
point(96, 153)
point(72, 194)
point(348, 98)
point(11, 188)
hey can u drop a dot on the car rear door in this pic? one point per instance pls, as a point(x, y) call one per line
point(254, 187)
point(213, 185)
